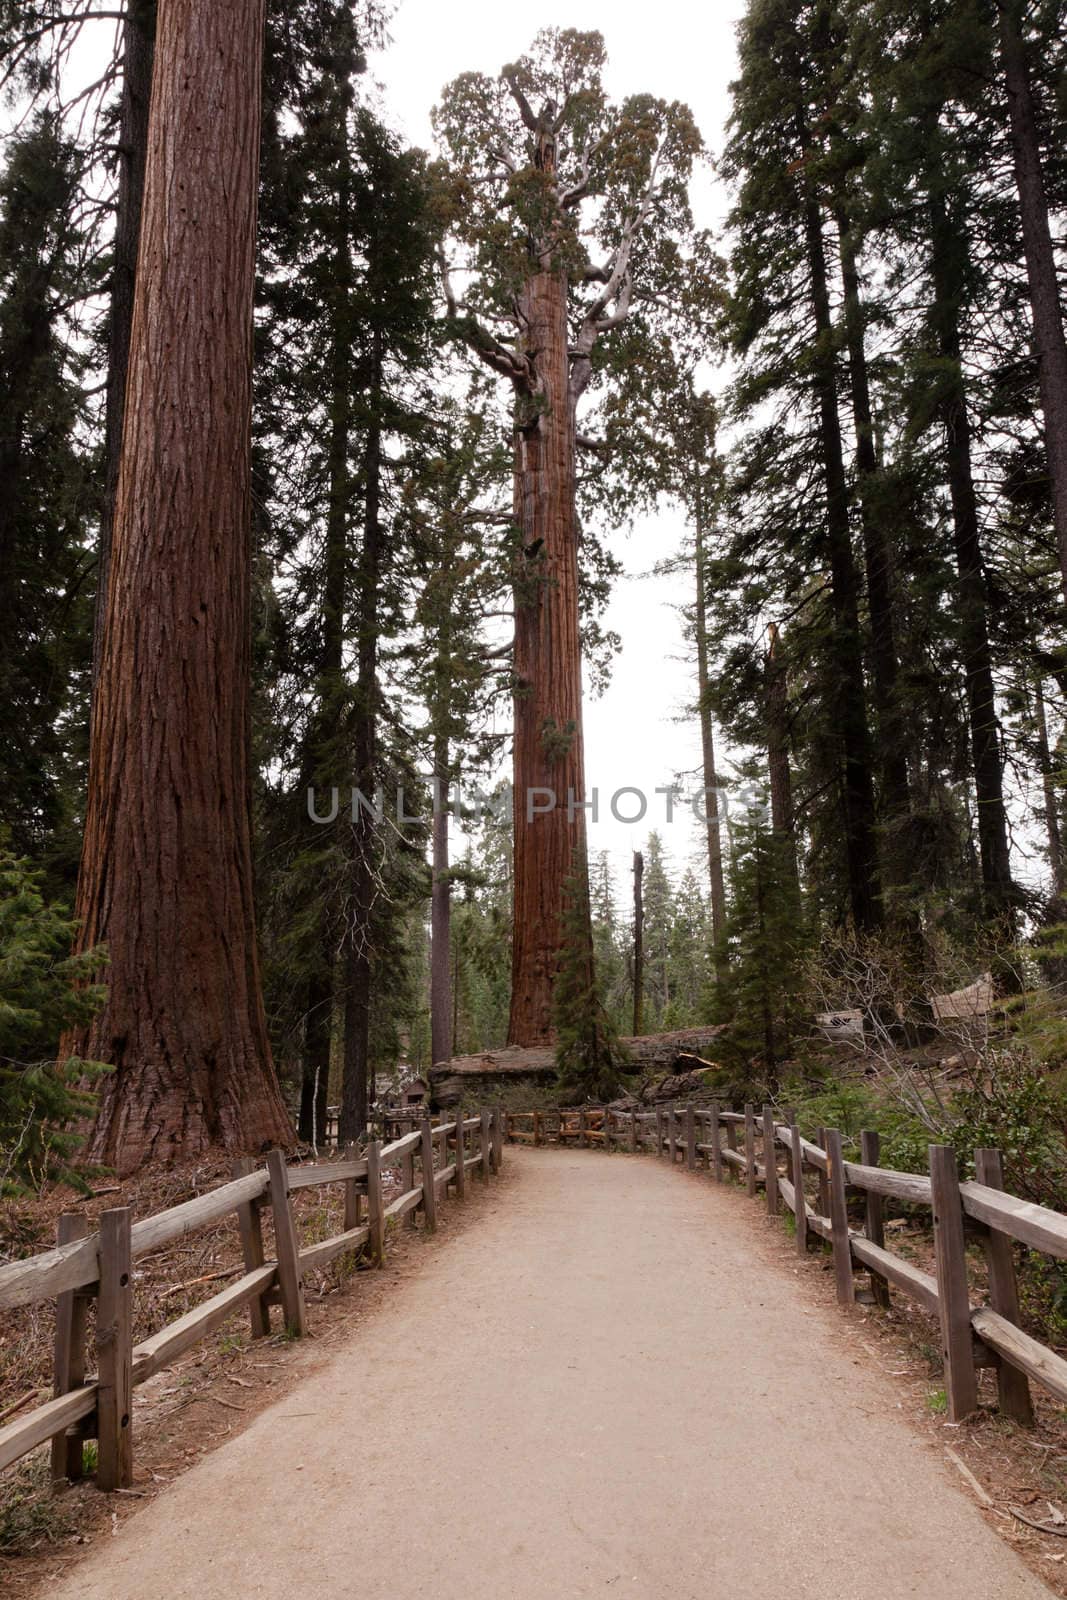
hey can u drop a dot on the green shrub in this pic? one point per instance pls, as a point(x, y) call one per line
point(43, 991)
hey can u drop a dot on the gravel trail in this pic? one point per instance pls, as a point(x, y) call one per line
point(600, 1387)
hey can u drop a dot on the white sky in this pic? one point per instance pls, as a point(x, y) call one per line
point(636, 733)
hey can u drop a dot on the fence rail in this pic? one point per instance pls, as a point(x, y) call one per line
point(83, 1268)
point(763, 1152)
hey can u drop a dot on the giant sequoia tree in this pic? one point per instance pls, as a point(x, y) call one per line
point(566, 206)
point(166, 875)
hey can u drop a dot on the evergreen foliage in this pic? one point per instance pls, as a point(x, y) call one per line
point(589, 1058)
point(44, 990)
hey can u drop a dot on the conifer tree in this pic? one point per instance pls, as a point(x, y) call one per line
point(565, 205)
point(781, 265)
point(166, 871)
point(760, 1000)
point(589, 1058)
point(45, 482)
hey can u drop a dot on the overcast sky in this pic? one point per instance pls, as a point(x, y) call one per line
point(637, 734)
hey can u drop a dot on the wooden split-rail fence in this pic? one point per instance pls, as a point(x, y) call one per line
point(84, 1267)
point(765, 1153)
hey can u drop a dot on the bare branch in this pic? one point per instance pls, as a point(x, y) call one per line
point(446, 282)
point(510, 77)
point(618, 288)
point(571, 197)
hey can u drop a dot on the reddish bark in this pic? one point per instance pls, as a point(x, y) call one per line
point(166, 874)
point(547, 662)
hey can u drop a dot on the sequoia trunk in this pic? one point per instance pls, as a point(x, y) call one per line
point(549, 772)
point(166, 874)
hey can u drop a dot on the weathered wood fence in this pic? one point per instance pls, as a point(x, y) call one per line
point(764, 1153)
point(431, 1158)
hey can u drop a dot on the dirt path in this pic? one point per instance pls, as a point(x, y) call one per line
point(596, 1388)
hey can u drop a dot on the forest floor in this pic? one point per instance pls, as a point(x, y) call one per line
point(609, 1375)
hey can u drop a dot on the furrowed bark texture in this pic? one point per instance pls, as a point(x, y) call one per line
point(548, 692)
point(166, 875)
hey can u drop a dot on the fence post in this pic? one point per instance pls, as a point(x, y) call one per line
point(1013, 1389)
point(839, 1218)
point(375, 1208)
point(690, 1138)
point(606, 1129)
point(461, 1156)
point(583, 1136)
point(407, 1182)
point(498, 1138)
point(429, 1184)
point(770, 1161)
point(672, 1134)
point(286, 1245)
point(799, 1198)
point(353, 1193)
point(824, 1180)
point(68, 1367)
point(536, 1128)
point(750, 1149)
point(870, 1151)
point(731, 1140)
point(114, 1352)
point(250, 1226)
point(953, 1296)
point(485, 1145)
point(716, 1148)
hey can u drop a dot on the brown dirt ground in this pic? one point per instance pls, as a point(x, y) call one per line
point(215, 1393)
